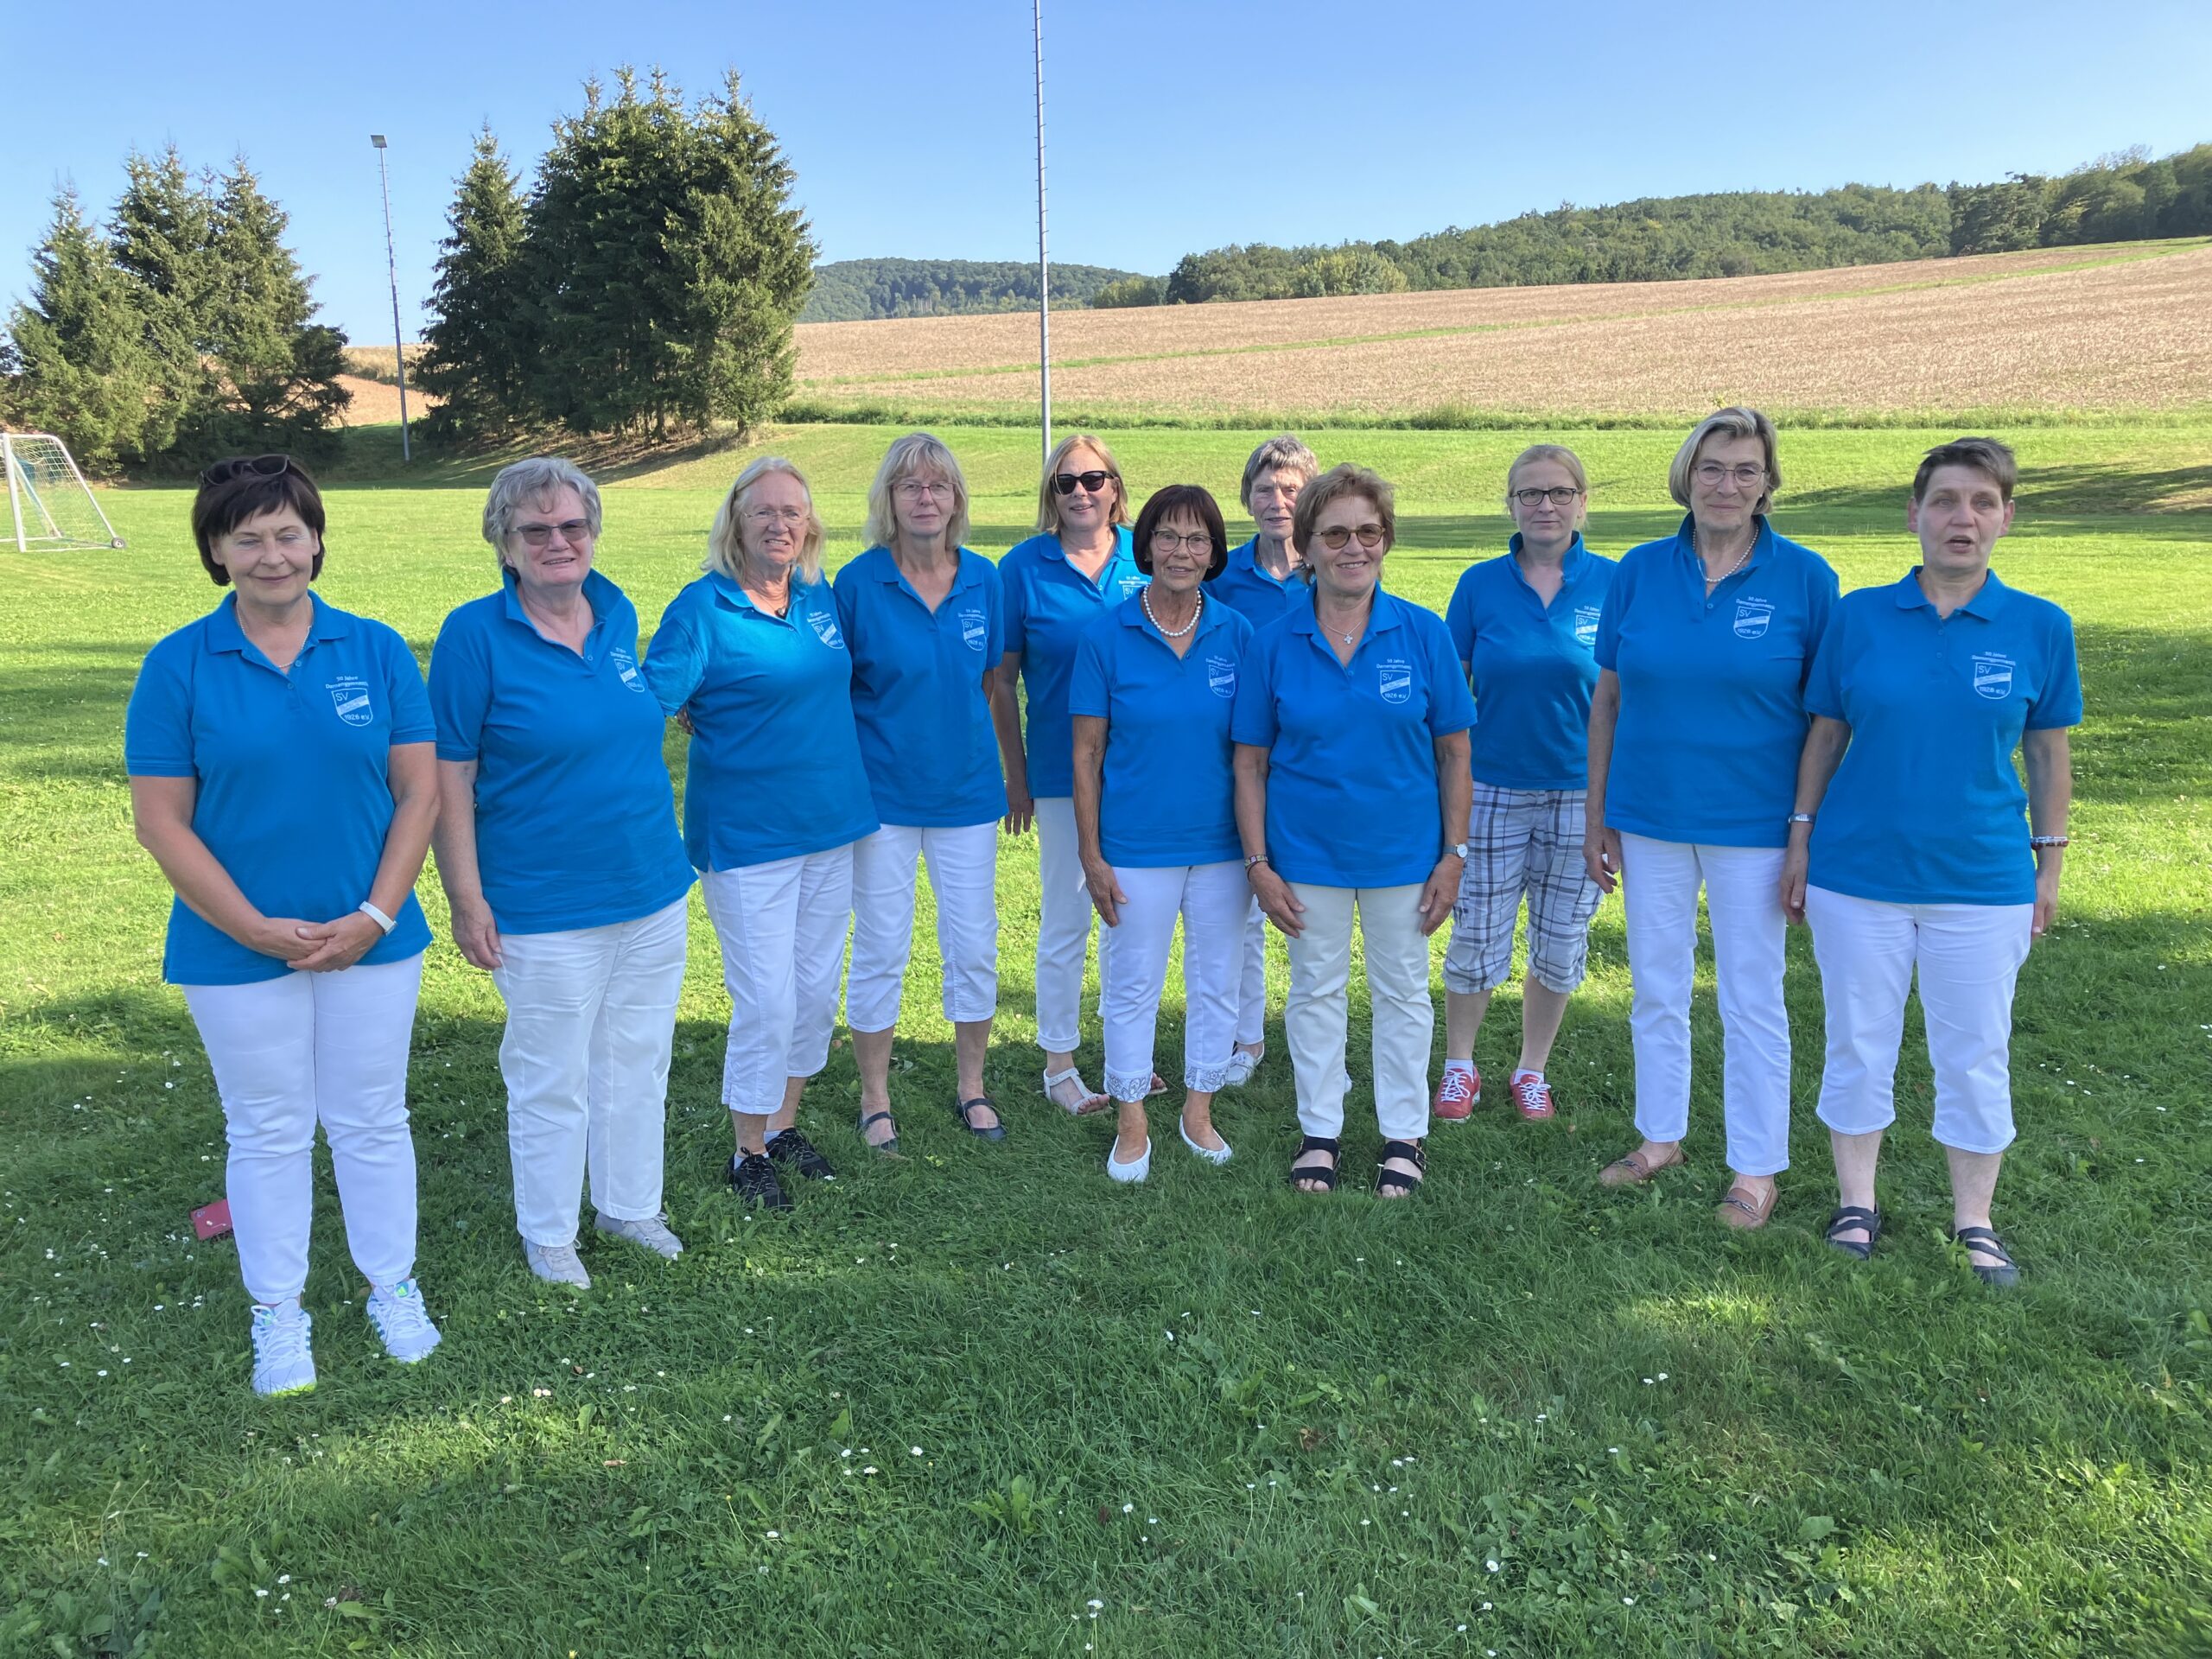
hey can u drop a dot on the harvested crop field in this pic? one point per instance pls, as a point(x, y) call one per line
point(2089, 329)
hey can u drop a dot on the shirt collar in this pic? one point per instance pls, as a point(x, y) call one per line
point(1246, 557)
point(224, 633)
point(1212, 614)
point(1762, 545)
point(1571, 565)
point(965, 572)
point(600, 593)
point(1389, 612)
point(1987, 601)
point(1124, 551)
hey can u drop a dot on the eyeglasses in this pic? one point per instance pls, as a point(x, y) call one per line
point(1093, 482)
point(1336, 536)
point(1199, 541)
point(1559, 495)
point(575, 531)
point(764, 517)
point(913, 489)
point(1712, 474)
point(241, 466)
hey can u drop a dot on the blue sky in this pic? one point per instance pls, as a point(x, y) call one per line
point(1171, 126)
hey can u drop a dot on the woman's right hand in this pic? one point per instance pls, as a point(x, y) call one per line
point(476, 933)
point(1106, 893)
point(1277, 902)
point(279, 937)
point(1601, 856)
point(1795, 858)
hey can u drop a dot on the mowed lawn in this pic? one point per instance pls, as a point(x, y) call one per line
point(982, 1400)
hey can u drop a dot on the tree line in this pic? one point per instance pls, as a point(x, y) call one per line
point(848, 290)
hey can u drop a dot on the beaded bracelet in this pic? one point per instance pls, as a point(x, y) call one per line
point(2049, 841)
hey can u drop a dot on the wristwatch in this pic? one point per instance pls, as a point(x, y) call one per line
point(1461, 848)
point(387, 922)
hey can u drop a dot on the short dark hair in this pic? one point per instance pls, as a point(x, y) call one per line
point(1199, 503)
point(241, 490)
point(1987, 456)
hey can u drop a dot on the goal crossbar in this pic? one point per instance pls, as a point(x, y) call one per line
point(50, 507)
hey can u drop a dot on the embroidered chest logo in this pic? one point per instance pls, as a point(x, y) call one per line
point(626, 666)
point(349, 697)
point(1993, 676)
point(1130, 584)
point(974, 626)
point(825, 629)
point(1753, 617)
point(1221, 676)
point(1586, 625)
point(1394, 679)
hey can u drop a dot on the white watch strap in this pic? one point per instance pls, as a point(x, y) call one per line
point(377, 916)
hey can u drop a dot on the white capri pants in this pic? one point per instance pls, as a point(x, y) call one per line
point(1522, 842)
point(287, 1053)
point(591, 1013)
point(963, 865)
point(1212, 900)
point(1252, 989)
point(1743, 900)
point(1968, 957)
point(782, 928)
point(1065, 914)
point(1315, 1015)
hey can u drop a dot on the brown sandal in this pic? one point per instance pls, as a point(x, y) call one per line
point(1634, 1170)
point(1743, 1212)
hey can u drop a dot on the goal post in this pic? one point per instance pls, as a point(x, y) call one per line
point(50, 507)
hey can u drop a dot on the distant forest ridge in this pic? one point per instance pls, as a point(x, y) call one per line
point(847, 290)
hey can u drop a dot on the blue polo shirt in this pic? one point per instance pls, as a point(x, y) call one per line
point(927, 741)
point(295, 796)
point(1532, 666)
point(1713, 688)
point(1252, 592)
point(1926, 807)
point(1049, 605)
point(575, 822)
point(1352, 796)
point(1167, 792)
point(773, 770)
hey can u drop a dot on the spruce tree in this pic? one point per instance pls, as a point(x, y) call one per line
point(477, 352)
point(79, 359)
point(161, 232)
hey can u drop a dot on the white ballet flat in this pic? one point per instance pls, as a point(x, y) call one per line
point(1216, 1155)
point(1128, 1174)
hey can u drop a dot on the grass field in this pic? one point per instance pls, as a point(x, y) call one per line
point(982, 1400)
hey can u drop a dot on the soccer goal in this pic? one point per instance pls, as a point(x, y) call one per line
point(49, 507)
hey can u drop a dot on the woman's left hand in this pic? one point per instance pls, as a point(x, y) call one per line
point(339, 943)
point(1440, 892)
point(2046, 910)
point(1106, 894)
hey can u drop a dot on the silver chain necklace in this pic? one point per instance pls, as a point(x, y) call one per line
point(1144, 598)
point(1712, 583)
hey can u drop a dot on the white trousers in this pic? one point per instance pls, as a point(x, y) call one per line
point(1968, 956)
point(1404, 1018)
point(1252, 987)
point(963, 865)
point(782, 928)
point(1660, 881)
point(1212, 900)
point(287, 1053)
point(591, 1013)
point(1064, 915)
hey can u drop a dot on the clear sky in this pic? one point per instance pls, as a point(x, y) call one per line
point(1172, 124)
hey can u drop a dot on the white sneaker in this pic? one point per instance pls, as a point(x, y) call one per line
point(557, 1264)
point(398, 1312)
point(1128, 1174)
point(282, 1361)
point(652, 1232)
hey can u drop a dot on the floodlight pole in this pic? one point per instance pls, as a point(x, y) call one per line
point(1044, 272)
point(391, 265)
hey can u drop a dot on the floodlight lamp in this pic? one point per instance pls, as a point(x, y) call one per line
point(376, 138)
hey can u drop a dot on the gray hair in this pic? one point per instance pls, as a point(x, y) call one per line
point(726, 553)
point(1280, 453)
point(537, 478)
point(1734, 422)
point(918, 452)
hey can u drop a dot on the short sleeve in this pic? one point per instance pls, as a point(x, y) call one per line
point(1607, 651)
point(1824, 683)
point(1090, 684)
point(1459, 617)
point(1252, 720)
point(157, 726)
point(2058, 702)
point(411, 703)
point(675, 661)
point(1450, 706)
point(1014, 593)
point(461, 688)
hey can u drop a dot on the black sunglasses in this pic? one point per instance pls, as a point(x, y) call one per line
point(255, 465)
point(1066, 482)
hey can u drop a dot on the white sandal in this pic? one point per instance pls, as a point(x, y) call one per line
point(1091, 1102)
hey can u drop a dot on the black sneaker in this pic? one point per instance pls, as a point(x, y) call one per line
point(753, 1180)
point(795, 1149)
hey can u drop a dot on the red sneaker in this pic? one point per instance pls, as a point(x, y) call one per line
point(1459, 1093)
point(1532, 1096)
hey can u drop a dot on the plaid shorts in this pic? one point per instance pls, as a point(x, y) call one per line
point(1522, 842)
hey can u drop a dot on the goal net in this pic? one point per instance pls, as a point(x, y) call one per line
point(48, 505)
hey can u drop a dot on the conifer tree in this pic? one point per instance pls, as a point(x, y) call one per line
point(476, 354)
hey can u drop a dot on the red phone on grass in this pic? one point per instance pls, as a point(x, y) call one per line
point(213, 1220)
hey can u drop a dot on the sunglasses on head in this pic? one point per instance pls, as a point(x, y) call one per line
point(1066, 482)
point(245, 465)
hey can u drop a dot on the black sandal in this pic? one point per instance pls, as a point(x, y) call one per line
point(2006, 1274)
point(869, 1120)
point(1848, 1218)
point(1394, 1180)
point(962, 1108)
point(752, 1178)
point(789, 1147)
point(1325, 1177)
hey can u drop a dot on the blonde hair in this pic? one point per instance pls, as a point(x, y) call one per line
point(1559, 455)
point(1734, 422)
point(1337, 482)
point(1048, 500)
point(726, 554)
point(918, 452)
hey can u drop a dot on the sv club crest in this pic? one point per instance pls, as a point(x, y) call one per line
point(349, 699)
point(1992, 677)
point(1753, 617)
point(1395, 680)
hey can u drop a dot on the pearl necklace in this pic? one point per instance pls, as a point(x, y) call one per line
point(1144, 599)
point(1712, 583)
